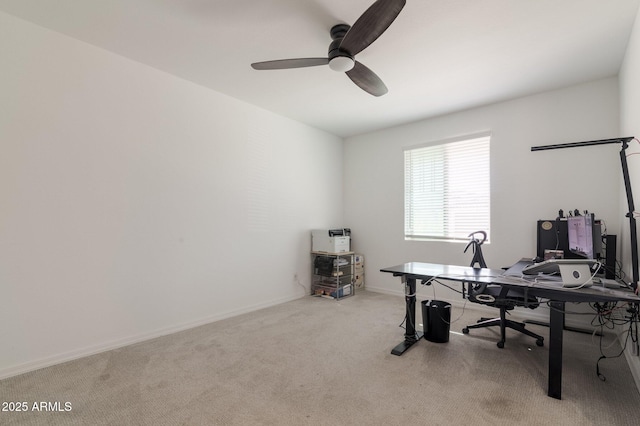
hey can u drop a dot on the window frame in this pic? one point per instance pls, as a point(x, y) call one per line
point(447, 235)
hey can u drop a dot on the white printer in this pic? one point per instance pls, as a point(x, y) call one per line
point(331, 240)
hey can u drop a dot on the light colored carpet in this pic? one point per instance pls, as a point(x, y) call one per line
point(315, 361)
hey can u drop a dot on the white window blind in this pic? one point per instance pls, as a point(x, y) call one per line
point(447, 190)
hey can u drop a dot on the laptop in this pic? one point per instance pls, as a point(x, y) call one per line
point(573, 272)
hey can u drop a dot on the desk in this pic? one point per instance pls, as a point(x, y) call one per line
point(558, 296)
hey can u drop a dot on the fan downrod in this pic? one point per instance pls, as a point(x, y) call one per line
point(339, 31)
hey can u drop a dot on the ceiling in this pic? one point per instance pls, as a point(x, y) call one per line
point(439, 56)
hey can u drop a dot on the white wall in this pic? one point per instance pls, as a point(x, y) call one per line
point(630, 126)
point(525, 186)
point(133, 203)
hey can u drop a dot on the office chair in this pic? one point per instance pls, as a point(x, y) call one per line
point(497, 296)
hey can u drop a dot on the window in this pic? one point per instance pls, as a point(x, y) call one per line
point(447, 189)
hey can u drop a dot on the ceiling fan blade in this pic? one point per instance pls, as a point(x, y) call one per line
point(281, 64)
point(367, 80)
point(370, 25)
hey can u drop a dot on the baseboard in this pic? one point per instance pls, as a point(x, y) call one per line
point(130, 340)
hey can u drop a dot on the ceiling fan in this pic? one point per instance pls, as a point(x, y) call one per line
point(347, 42)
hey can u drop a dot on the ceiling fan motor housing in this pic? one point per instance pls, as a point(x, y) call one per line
point(339, 60)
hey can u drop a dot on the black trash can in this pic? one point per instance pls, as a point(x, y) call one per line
point(436, 320)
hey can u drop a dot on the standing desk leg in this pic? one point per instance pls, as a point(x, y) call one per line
point(556, 325)
point(411, 336)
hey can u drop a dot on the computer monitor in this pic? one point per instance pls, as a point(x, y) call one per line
point(584, 236)
point(553, 242)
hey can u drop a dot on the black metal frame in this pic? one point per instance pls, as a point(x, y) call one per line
point(627, 185)
point(411, 335)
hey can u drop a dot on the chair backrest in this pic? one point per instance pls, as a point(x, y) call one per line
point(475, 291)
point(476, 247)
point(490, 294)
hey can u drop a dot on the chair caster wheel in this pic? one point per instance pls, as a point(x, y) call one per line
point(465, 330)
point(501, 344)
point(540, 342)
